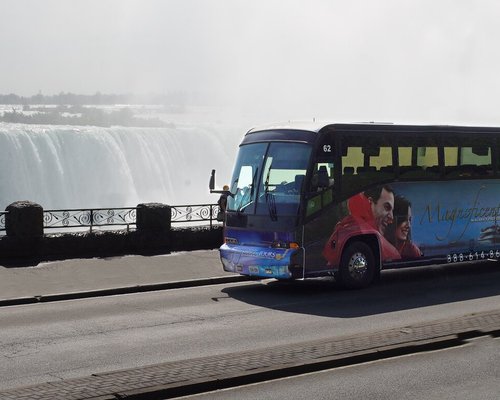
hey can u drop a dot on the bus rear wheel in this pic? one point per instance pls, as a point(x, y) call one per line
point(357, 266)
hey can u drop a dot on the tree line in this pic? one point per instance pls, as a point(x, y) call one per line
point(98, 98)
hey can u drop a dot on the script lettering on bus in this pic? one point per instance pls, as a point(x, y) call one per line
point(469, 215)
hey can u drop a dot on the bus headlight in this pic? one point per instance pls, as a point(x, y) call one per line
point(278, 244)
point(228, 265)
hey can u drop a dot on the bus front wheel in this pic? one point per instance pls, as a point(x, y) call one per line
point(357, 266)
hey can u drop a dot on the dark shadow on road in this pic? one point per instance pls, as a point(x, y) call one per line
point(397, 290)
point(19, 263)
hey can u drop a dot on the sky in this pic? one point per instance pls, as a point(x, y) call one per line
point(418, 61)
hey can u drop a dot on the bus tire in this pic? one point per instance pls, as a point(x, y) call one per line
point(357, 266)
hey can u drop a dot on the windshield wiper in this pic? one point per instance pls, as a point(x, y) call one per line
point(271, 206)
point(252, 188)
point(266, 183)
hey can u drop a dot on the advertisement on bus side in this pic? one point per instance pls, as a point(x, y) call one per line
point(458, 220)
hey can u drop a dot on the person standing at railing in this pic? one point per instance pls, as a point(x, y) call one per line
point(222, 203)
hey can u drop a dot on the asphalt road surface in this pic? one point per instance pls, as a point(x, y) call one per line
point(51, 341)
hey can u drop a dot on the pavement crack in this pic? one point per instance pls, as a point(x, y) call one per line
point(16, 350)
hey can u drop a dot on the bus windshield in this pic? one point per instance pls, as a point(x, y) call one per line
point(268, 178)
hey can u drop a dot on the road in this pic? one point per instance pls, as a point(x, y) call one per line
point(468, 372)
point(52, 341)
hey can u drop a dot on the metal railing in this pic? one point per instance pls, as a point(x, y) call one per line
point(89, 218)
point(195, 213)
point(2, 222)
point(124, 216)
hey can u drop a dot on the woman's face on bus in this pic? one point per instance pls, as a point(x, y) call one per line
point(404, 227)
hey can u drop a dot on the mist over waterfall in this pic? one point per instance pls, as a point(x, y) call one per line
point(90, 167)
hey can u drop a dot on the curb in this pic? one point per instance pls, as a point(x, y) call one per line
point(234, 379)
point(124, 290)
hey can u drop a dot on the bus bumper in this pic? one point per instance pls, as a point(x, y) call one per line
point(262, 262)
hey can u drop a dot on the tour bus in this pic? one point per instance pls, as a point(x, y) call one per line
point(349, 200)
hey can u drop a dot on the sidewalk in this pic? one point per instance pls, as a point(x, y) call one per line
point(101, 276)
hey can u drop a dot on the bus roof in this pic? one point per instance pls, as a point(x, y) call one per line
point(316, 126)
point(290, 125)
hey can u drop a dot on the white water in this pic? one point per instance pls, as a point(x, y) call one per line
point(89, 167)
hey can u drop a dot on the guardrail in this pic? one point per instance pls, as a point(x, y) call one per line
point(195, 213)
point(2, 222)
point(89, 218)
point(124, 216)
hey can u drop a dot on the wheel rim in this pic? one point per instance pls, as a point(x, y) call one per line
point(358, 265)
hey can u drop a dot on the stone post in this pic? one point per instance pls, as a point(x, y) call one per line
point(24, 220)
point(153, 218)
point(153, 223)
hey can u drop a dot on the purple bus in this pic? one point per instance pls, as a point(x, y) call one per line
point(349, 200)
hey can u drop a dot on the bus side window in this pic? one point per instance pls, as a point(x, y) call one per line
point(321, 183)
point(476, 161)
point(405, 156)
point(383, 164)
point(418, 162)
point(364, 166)
point(352, 164)
point(466, 162)
point(428, 161)
point(323, 176)
point(451, 161)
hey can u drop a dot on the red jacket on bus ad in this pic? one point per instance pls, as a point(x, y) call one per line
point(360, 221)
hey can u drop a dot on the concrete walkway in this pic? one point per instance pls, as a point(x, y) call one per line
point(108, 275)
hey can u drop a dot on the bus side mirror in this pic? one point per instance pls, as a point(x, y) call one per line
point(211, 184)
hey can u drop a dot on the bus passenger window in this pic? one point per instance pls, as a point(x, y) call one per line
point(352, 159)
point(383, 163)
point(322, 177)
point(382, 158)
point(476, 161)
point(405, 156)
point(466, 162)
point(428, 161)
point(364, 166)
point(322, 182)
point(418, 162)
point(451, 161)
point(427, 157)
point(352, 162)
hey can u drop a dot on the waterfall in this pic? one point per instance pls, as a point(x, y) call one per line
point(63, 167)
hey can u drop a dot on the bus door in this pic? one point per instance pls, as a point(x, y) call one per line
point(319, 204)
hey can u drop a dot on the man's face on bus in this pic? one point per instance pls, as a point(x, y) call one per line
point(382, 210)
